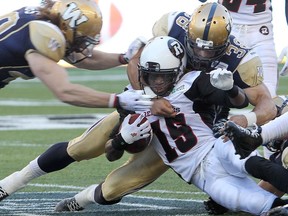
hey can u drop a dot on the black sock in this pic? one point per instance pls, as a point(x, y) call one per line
point(273, 173)
point(55, 158)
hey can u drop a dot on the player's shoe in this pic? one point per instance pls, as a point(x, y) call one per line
point(278, 211)
point(69, 204)
point(3, 194)
point(214, 208)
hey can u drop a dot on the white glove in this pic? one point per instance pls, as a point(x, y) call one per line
point(222, 79)
point(134, 48)
point(134, 100)
point(135, 131)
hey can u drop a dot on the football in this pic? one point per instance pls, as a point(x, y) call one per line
point(141, 144)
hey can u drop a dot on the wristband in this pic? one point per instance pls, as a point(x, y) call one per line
point(233, 92)
point(118, 142)
point(122, 59)
point(251, 118)
point(112, 100)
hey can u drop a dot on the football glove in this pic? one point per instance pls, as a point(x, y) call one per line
point(218, 128)
point(129, 133)
point(221, 79)
point(134, 48)
point(132, 100)
point(245, 141)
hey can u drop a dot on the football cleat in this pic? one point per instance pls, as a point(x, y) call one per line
point(3, 194)
point(278, 211)
point(214, 208)
point(245, 140)
point(69, 204)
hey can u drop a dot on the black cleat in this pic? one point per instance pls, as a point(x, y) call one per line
point(69, 204)
point(244, 140)
point(3, 194)
point(214, 208)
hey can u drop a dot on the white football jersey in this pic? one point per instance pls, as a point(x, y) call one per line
point(185, 139)
point(247, 12)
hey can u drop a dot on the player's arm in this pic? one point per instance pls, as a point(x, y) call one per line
point(264, 108)
point(103, 60)
point(56, 79)
point(258, 95)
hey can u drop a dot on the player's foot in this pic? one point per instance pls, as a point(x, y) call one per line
point(278, 211)
point(69, 204)
point(245, 138)
point(214, 208)
point(3, 194)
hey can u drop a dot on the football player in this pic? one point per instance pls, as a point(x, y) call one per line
point(252, 25)
point(185, 143)
point(229, 53)
point(33, 40)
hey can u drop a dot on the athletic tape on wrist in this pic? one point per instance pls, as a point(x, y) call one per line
point(251, 118)
point(112, 99)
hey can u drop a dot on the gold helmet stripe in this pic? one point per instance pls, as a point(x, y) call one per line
point(209, 20)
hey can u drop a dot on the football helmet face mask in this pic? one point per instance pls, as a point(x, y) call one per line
point(81, 23)
point(161, 64)
point(207, 35)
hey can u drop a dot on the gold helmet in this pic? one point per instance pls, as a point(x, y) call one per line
point(207, 34)
point(81, 23)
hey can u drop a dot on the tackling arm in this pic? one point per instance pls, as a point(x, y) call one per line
point(264, 107)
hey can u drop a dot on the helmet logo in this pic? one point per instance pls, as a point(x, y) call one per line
point(75, 15)
point(176, 48)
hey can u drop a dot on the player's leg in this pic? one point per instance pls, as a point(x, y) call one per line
point(90, 144)
point(233, 192)
point(140, 170)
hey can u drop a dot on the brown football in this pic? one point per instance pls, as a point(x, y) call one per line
point(141, 144)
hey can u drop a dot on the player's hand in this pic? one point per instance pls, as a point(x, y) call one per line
point(222, 79)
point(133, 100)
point(134, 48)
point(135, 131)
point(218, 128)
point(162, 107)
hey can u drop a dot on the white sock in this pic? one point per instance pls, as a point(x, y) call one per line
point(20, 179)
point(86, 196)
point(275, 129)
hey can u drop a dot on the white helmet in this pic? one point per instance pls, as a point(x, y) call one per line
point(162, 57)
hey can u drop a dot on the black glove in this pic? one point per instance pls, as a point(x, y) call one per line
point(244, 140)
point(218, 128)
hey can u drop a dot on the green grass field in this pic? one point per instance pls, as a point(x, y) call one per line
point(19, 146)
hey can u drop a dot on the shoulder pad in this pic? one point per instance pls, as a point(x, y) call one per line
point(47, 39)
point(251, 70)
point(162, 27)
